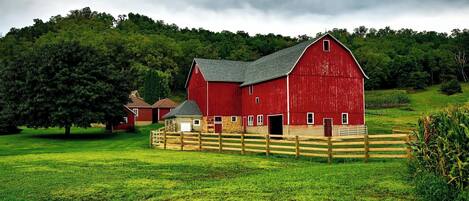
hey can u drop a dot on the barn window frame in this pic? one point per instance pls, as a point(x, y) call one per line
point(324, 42)
point(126, 120)
point(251, 120)
point(215, 119)
point(344, 121)
point(260, 120)
point(135, 110)
point(234, 118)
point(196, 122)
point(251, 89)
point(308, 118)
point(258, 100)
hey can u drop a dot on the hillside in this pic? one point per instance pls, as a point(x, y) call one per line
point(421, 102)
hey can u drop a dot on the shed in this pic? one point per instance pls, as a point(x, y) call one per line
point(161, 108)
point(185, 117)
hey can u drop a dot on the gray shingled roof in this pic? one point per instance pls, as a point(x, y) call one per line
point(188, 107)
point(222, 70)
point(275, 65)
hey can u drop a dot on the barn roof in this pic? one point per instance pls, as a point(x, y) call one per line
point(137, 102)
point(222, 70)
point(187, 108)
point(275, 65)
point(165, 103)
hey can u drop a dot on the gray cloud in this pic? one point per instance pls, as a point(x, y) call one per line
point(288, 17)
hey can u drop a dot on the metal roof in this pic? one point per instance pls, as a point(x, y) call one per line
point(186, 108)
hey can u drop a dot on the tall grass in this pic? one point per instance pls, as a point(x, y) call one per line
point(386, 99)
point(442, 145)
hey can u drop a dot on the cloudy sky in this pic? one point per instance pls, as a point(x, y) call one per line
point(287, 17)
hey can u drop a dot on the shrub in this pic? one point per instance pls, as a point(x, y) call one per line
point(431, 187)
point(451, 87)
point(442, 145)
point(418, 80)
point(386, 99)
point(463, 196)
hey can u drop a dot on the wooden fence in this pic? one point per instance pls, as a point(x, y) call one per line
point(355, 146)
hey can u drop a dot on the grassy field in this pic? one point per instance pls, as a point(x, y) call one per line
point(41, 164)
point(422, 102)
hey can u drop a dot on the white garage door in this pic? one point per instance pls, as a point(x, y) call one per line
point(186, 127)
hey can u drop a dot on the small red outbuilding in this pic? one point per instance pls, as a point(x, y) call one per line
point(128, 121)
point(143, 111)
point(161, 108)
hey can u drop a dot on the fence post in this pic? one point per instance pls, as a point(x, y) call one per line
point(151, 139)
point(220, 144)
point(367, 148)
point(242, 143)
point(329, 150)
point(297, 146)
point(164, 139)
point(182, 141)
point(408, 150)
point(267, 145)
point(200, 140)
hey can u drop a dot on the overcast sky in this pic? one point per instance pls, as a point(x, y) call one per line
point(287, 17)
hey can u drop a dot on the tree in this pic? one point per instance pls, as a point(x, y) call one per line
point(67, 84)
point(156, 86)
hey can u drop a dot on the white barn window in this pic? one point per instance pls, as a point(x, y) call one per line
point(251, 89)
point(260, 120)
point(344, 118)
point(234, 119)
point(250, 120)
point(310, 118)
point(196, 122)
point(135, 111)
point(326, 46)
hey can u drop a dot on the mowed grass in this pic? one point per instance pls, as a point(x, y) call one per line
point(421, 102)
point(43, 165)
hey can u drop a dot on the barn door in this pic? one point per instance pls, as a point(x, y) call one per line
point(327, 127)
point(218, 124)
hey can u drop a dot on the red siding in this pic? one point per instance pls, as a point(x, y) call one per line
point(144, 114)
point(272, 96)
point(224, 99)
point(328, 84)
point(197, 89)
point(130, 122)
point(163, 111)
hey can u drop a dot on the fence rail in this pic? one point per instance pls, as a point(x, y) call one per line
point(353, 146)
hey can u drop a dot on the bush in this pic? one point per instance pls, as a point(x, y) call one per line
point(442, 146)
point(418, 80)
point(451, 87)
point(430, 187)
point(386, 99)
point(463, 196)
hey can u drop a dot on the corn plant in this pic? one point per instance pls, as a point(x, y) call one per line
point(442, 145)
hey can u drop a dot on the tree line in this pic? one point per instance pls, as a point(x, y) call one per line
point(135, 51)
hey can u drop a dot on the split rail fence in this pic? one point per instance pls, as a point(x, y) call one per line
point(353, 146)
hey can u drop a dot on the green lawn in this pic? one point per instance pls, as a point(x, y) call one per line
point(40, 164)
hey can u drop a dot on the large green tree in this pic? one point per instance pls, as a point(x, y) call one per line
point(66, 84)
point(156, 86)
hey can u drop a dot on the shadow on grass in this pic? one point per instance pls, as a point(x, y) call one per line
point(80, 136)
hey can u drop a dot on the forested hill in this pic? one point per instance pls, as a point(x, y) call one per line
point(139, 44)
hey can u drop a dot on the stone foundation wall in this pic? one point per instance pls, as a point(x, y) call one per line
point(143, 123)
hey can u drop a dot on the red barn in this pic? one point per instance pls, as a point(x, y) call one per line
point(128, 121)
point(161, 108)
point(143, 111)
point(315, 87)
